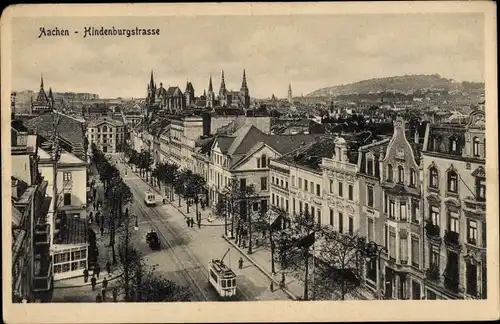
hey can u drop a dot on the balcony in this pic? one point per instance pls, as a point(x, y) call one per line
point(433, 231)
point(42, 276)
point(432, 273)
point(451, 281)
point(475, 204)
point(42, 234)
point(452, 240)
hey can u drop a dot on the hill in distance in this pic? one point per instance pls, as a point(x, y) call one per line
point(402, 84)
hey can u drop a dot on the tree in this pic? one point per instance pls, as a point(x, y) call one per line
point(168, 173)
point(195, 186)
point(245, 197)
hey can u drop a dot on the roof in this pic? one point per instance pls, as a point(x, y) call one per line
point(97, 121)
point(311, 153)
point(70, 129)
point(173, 91)
point(68, 158)
point(17, 217)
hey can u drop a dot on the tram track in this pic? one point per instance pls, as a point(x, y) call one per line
point(201, 294)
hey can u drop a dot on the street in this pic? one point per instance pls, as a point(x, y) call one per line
point(186, 251)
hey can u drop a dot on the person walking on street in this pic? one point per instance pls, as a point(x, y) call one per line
point(271, 286)
point(98, 298)
point(115, 295)
point(240, 263)
point(85, 275)
point(97, 218)
point(192, 222)
point(188, 221)
point(103, 292)
point(108, 267)
point(97, 270)
point(93, 282)
point(95, 205)
point(199, 222)
point(102, 230)
point(105, 283)
point(282, 283)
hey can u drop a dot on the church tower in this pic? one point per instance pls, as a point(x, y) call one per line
point(189, 94)
point(290, 98)
point(244, 93)
point(210, 94)
point(223, 91)
point(151, 90)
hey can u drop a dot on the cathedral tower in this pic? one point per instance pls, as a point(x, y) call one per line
point(210, 94)
point(290, 98)
point(244, 92)
point(223, 91)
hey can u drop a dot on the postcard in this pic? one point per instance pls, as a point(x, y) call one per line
point(249, 162)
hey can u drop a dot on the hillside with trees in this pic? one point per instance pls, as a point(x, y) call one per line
point(400, 84)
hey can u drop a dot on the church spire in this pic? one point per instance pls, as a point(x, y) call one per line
point(41, 81)
point(244, 82)
point(222, 82)
point(152, 81)
point(210, 87)
point(290, 98)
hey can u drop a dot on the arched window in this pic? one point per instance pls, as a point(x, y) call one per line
point(453, 144)
point(475, 146)
point(263, 162)
point(433, 178)
point(401, 174)
point(412, 177)
point(452, 181)
point(389, 172)
point(104, 128)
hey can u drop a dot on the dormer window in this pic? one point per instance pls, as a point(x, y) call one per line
point(401, 174)
point(389, 172)
point(452, 181)
point(453, 144)
point(433, 177)
point(263, 161)
point(475, 146)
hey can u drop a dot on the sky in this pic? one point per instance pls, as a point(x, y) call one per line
point(308, 51)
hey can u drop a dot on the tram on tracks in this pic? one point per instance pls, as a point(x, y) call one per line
point(149, 198)
point(222, 278)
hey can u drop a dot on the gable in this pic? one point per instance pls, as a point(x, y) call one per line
point(246, 162)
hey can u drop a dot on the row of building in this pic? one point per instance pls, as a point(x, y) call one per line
point(418, 193)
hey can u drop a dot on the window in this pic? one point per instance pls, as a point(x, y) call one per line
point(434, 178)
point(453, 144)
point(472, 232)
point(453, 224)
point(341, 222)
point(475, 146)
point(293, 205)
point(272, 180)
point(415, 249)
point(369, 166)
point(67, 176)
point(401, 174)
point(300, 207)
point(263, 183)
point(255, 206)
point(281, 182)
point(67, 199)
point(414, 212)
point(300, 183)
point(258, 163)
point(286, 184)
point(318, 190)
point(369, 192)
point(452, 181)
point(282, 200)
point(402, 211)
point(389, 172)
point(415, 290)
point(403, 250)
point(481, 189)
point(392, 243)
point(392, 209)
point(331, 217)
point(305, 185)
point(286, 205)
point(386, 235)
point(434, 215)
point(272, 199)
point(293, 181)
point(331, 186)
point(263, 162)
point(312, 211)
point(311, 185)
point(369, 231)
point(243, 184)
point(351, 225)
point(413, 175)
point(350, 192)
point(340, 189)
point(306, 209)
point(263, 204)
point(386, 203)
point(318, 213)
point(471, 279)
point(483, 234)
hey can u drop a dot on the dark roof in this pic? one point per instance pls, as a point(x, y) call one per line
point(205, 144)
point(224, 142)
point(74, 232)
point(311, 153)
point(171, 91)
point(286, 143)
point(70, 129)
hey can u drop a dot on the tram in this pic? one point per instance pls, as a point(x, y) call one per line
point(149, 198)
point(222, 278)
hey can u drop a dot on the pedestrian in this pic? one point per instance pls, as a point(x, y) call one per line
point(192, 222)
point(199, 222)
point(108, 267)
point(271, 286)
point(105, 282)
point(93, 282)
point(94, 193)
point(98, 298)
point(188, 222)
point(85, 275)
point(240, 263)
point(103, 292)
point(97, 218)
point(95, 205)
point(282, 283)
point(97, 270)
point(102, 230)
point(115, 295)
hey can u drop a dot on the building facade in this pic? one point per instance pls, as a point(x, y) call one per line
point(107, 134)
point(454, 190)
